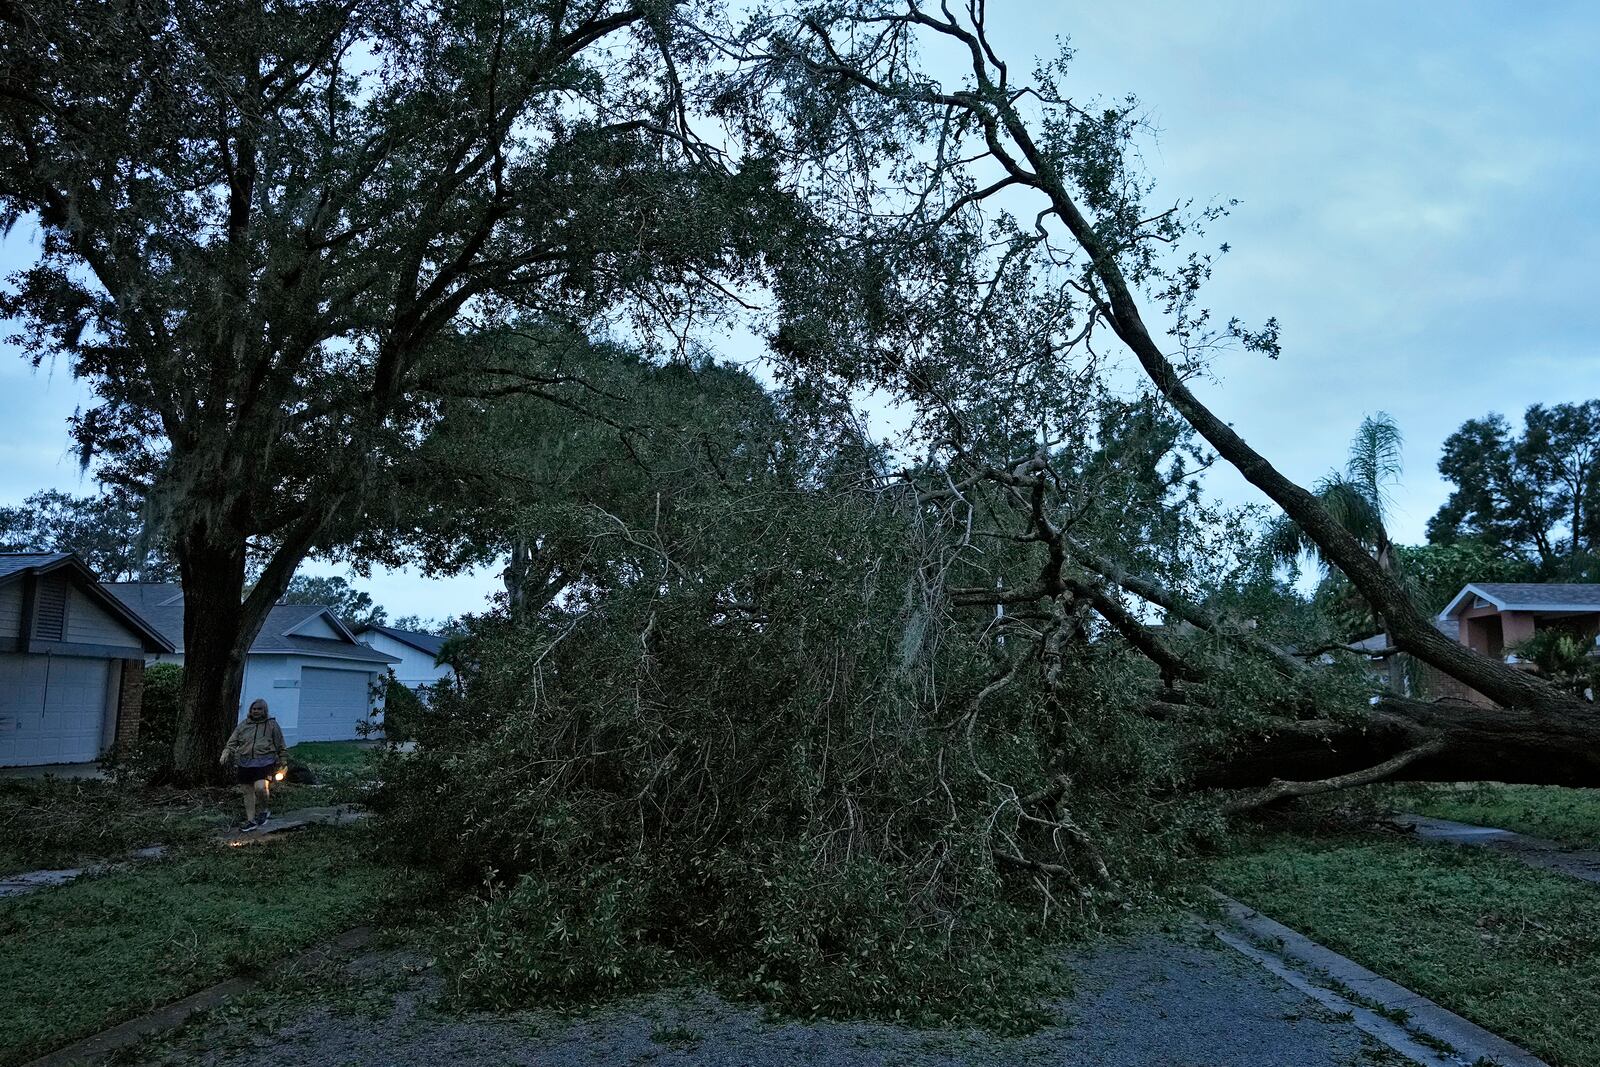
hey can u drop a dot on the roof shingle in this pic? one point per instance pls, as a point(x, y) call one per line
point(162, 606)
point(422, 642)
point(15, 562)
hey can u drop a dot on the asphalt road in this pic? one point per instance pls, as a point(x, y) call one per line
point(1150, 1001)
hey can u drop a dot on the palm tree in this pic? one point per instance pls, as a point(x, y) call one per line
point(1358, 498)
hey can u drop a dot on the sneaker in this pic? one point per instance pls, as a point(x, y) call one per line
point(250, 824)
point(265, 815)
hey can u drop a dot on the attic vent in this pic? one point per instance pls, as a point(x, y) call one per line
point(50, 616)
point(1479, 602)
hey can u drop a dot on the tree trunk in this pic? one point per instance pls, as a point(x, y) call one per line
point(216, 635)
point(1476, 743)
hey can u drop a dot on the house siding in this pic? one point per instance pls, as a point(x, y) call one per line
point(415, 667)
point(10, 610)
point(318, 626)
point(90, 624)
point(275, 679)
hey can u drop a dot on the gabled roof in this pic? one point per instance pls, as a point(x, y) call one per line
point(14, 566)
point(18, 563)
point(1529, 596)
point(282, 634)
point(432, 644)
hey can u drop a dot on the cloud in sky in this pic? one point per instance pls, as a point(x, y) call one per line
point(1420, 207)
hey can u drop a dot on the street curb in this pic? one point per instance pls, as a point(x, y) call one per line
point(97, 1047)
point(1329, 977)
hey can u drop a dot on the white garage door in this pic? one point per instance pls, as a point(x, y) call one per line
point(52, 708)
point(331, 704)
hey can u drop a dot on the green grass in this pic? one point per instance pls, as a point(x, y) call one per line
point(56, 822)
point(1514, 949)
point(342, 769)
point(88, 955)
point(1571, 816)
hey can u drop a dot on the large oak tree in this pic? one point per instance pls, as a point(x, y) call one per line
point(270, 228)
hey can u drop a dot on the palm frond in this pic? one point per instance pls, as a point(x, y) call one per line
point(1353, 508)
point(1375, 459)
point(1285, 542)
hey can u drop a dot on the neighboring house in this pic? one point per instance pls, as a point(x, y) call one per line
point(71, 662)
point(417, 653)
point(1494, 617)
point(318, 680)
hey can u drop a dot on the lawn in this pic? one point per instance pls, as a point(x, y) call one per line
point(1571, 816)
point(1514, 949)
point(342, 770)
point(57, 822)
point(93, 953)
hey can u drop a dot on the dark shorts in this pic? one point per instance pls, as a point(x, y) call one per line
point(255, 774)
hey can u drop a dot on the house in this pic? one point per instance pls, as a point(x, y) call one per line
point(1491, 617)
point(418, 653)
point(71, 661)
point(320, 683)
point(1494, 617)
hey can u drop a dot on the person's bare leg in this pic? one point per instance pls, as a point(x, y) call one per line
point(249, 792)
point(264, 796)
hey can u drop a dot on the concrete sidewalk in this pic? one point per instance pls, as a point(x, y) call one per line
point(1581, 863)
point(299, 819)
point(55, 770)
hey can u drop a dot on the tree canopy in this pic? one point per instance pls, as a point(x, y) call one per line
point(353, 606)
point(1537, 493)
point(269, 231)
point(107, 531)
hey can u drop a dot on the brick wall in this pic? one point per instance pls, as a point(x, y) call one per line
point(130, 701)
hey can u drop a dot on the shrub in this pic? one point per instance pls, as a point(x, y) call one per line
point(403, 709)
point(149, 758)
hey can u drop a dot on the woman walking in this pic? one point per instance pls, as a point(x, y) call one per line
point(256, 748)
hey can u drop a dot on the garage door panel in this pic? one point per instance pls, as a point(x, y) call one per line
point(52, 708)
point(332, 704)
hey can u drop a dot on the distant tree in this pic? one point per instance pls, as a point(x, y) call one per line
point(424, 625)
point(1538, 493)
point(106, 531)
point(354, 607)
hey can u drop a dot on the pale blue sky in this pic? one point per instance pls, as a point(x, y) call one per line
point(1420, 207)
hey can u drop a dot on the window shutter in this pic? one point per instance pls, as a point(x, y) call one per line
point(50, 612)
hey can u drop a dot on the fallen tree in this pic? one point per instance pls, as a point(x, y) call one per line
point(993, 140)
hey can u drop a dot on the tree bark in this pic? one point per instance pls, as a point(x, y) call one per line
point(211, 564)
point(1475, 743)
